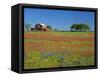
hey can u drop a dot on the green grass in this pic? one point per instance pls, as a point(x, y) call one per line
point(67, 57)
point(45, 60)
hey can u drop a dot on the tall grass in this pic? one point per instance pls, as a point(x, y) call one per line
point(43, 53)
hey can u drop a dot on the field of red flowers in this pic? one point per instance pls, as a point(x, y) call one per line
point(58, 49)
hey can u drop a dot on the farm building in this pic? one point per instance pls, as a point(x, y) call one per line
point(39, 27)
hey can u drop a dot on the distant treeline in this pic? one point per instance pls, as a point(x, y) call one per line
point(73, 28)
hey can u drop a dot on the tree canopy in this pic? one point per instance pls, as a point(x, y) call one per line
point(80, 27)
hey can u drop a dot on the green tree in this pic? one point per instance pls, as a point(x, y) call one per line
point(73, 27)
point(80, 27)
point(85, 27)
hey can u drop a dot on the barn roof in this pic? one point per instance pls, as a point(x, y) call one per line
point(42, 24)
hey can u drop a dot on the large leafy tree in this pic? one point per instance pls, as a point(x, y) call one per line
point(85, 27)
point(80, 27)
point(73, 27)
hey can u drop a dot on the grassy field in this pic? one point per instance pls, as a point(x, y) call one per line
point(58, 49)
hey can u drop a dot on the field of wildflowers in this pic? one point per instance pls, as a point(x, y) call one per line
point(58, 49)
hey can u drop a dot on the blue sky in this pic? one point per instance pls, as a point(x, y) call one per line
point(59, 19)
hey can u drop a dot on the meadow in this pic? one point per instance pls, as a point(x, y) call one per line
point(58, 49)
